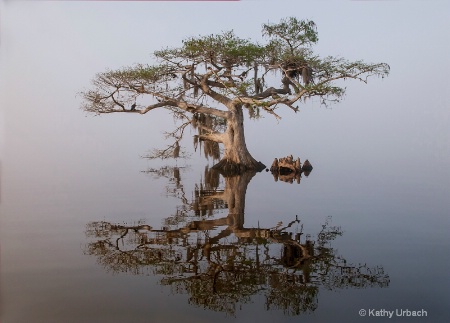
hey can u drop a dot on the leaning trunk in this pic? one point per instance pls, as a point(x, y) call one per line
point(236, 158)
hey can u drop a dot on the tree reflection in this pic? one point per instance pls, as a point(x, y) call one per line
point(220, 263)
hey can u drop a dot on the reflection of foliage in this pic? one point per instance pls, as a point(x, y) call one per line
point(222, 269)
point(290, 293)
point(221, 264)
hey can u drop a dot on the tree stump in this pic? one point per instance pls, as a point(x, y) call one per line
point(288, 170)
point(287, 165)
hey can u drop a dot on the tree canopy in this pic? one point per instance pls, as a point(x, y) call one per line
point(210, 80)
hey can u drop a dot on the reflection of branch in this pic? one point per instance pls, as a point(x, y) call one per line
point(222, 269)
point(219, 262)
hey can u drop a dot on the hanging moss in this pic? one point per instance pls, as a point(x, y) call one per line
point(176, 150)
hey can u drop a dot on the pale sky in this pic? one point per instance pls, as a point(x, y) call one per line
point(51, 50)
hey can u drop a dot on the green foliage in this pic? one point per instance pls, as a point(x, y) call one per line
point(213, 71)
point(236, 64)
point(142, 73)
point(224, 48)
point(292, 32)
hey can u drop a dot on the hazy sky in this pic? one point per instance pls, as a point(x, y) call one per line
point(51, 50)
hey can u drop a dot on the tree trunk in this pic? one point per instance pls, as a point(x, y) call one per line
point(236, 158)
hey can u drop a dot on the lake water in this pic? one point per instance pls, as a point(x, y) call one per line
point(92, 232)
point(66, 256)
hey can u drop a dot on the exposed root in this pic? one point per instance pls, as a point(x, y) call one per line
point(229, 168)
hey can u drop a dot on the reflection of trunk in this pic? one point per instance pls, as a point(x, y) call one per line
point(234, 196)
point(236, 158)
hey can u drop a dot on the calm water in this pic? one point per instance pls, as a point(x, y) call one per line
point(90, 234)
point(77, 249)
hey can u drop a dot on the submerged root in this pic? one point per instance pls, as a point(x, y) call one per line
point(229, 168)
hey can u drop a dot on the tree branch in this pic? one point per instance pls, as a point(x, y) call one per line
point(216, 137)
point(208, 91)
